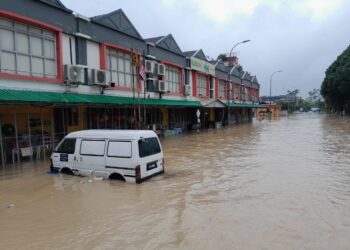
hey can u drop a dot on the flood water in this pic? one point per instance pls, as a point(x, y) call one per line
point(283, 184)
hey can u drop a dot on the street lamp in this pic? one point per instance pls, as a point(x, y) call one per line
point(278, 71)
point(229, 85)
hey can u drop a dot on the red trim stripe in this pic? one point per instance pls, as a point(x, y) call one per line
point(27, 20)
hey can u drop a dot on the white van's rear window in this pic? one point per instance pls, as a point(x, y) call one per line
point(148, 146)
point(92, 147)
point(121, 149)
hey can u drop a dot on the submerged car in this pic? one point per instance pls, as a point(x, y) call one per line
point(129, 155)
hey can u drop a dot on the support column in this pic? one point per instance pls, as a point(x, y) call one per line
point(16, 134)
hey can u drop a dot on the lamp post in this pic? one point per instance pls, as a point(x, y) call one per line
point(278, 71)
point(229, 85)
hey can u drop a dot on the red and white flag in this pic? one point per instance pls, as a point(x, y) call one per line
point(142, 72)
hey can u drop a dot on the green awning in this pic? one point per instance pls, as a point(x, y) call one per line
point(246, 105)
point(27, 96)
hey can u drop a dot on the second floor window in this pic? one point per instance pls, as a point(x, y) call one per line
point(172, 77)
point(222, 89)
point(27, 50)
point(119, 68)
point(236, 93)
point(201, 85)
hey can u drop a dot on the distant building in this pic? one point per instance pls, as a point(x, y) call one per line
point(280, 99)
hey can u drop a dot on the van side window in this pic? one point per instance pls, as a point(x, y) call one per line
point(120, 149)
point(148, 146)
point(67, 146)
point(92, 147)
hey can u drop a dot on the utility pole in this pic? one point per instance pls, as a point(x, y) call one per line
point(229, 83)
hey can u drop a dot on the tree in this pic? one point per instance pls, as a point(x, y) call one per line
point(314, 100)
point(222, 57)
point(292, 102)
point(336, 85)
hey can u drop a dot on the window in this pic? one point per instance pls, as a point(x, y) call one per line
point(172, 77)
point(119, 68)
point(121, 149)
point(201, 85)
point(27, 50)
point(236, 93)
point(222, 89)
point(92, 147)
point(67, 146)
point(149, 146)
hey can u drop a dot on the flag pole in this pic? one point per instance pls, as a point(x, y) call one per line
point(144, 89)
point(133, 84)
point(138, 93)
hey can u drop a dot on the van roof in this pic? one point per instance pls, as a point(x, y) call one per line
point(112, 134)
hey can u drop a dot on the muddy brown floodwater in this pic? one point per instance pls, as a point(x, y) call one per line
point(267, 185)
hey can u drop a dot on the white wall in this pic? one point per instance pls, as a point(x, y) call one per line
point(93, 55)
point(68, 48)
point(190, 77)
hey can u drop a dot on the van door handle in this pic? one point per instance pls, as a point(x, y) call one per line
point(81, 158)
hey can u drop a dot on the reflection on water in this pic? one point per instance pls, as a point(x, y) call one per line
point(268, 185)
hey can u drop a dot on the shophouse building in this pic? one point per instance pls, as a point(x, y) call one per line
point(61, 72)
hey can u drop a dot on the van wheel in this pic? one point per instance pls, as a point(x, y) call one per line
point(116, 176)
point(66, 171)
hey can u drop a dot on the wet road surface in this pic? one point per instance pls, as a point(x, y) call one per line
point(267, 185)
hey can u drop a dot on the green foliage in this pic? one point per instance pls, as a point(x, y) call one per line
point(314, 100)
point(222, 57)
point(336, 86)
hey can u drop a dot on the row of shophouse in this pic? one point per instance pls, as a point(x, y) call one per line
point(61, 72)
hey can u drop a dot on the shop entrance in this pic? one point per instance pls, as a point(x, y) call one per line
point(25, 134)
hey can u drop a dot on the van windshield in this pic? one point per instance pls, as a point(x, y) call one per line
point(148, 146)
point(67, 146)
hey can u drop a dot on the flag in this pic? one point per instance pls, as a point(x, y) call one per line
point(142, 72)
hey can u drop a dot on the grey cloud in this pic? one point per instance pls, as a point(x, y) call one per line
point(280, 40)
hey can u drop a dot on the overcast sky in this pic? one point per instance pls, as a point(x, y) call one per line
point(301, 37)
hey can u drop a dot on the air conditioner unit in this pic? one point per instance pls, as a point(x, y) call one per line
point(161, 69)
point(187, 90)
point(74, 74)
point(149, 66)
point(162, 87)
point(151, 85)
point(98, 77)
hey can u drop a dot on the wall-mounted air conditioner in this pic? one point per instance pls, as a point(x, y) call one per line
point(98, 77)
point(149, 66)
point(154, 85)
point(162, 86)
point(151, 85)
point(187, 90)
point(161, 69)
point(74, 74)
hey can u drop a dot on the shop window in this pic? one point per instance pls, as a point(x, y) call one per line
point(27, 50)
point(71, 116)
point(119, 68)
point(172, 77)
point(201, 85)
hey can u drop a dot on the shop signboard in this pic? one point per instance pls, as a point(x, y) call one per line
point(202, 66)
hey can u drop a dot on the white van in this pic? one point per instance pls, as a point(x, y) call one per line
point(130, 155)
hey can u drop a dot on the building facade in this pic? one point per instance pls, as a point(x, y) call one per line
point(61, 72)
